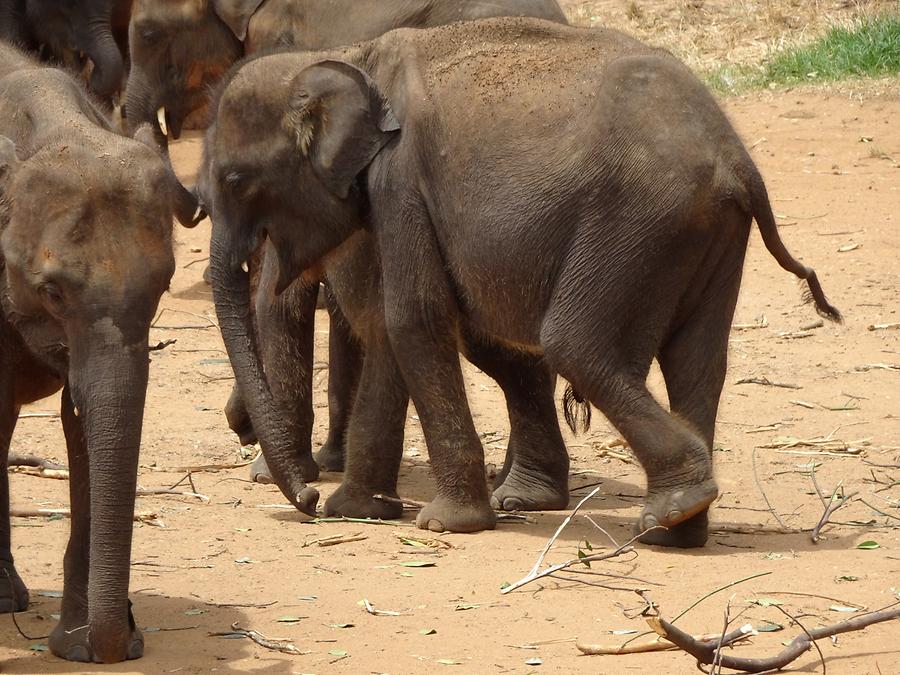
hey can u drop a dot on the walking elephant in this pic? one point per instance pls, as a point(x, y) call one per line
point(85, 254)
point(568, 193)
point(179, 48)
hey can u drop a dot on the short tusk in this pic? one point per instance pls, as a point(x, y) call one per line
point(197, 214)
point(161, 118)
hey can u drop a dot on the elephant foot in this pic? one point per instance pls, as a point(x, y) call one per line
point(524, 492)
point(443, 515)
point(671, 507)
point(13, 593)
point(331, 456)
point(357, 502)
point(259, 471)
point(692, 533)
point(70, 640)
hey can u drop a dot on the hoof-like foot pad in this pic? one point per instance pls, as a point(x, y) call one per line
point(330, 457)
point(692, 533)
point(13, 593)
point(70, 641)
point(360, 503)
point(259, 471)
point(442, 515)
point(535, 496)
point(671, 508)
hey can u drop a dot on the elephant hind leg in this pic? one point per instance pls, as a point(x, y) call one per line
point(674, 456)
point(535, 475)
point(13, 593)
point(693, 360)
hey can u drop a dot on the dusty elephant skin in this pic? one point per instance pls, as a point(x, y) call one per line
point(178, 49)
point(181, 47)
point(85, 254)
point(606, 234)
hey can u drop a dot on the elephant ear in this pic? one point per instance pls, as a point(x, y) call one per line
point(9, 163)
point(340, 121)
point(236, 14)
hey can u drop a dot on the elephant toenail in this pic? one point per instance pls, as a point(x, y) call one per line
point(674, 516)
point(79, 653)
point(435, 525)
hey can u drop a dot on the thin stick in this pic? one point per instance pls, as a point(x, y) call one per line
point(762, 491)
point(145, 492)
point(704, 652)
point(721, 588)
point(765, 381)
point(833, 505)
point(275, 644)
point(148, 517)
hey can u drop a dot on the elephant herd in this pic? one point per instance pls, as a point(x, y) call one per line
point(462, 176)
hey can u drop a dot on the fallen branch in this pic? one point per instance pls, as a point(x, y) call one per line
point(876, 366)
point(705, 652)
point(148, 517)
point(282, 645)
point(146, 492)
point(833, 505)
point(659, 644)
point(765, 381)
point(406, 504)
point(335, 539)
point(378, 612)
point(883, 326)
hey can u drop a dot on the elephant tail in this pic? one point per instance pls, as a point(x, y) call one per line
point(765, 220)
point(577, 410)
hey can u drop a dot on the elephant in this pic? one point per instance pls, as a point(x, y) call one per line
point(180, 48)
point(85, 255)
point(73, 34)
point(569, 193)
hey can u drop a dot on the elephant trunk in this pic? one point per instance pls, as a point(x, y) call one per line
point(140, 105)
point(108, 381)
point(231, 291)
point(101, 47)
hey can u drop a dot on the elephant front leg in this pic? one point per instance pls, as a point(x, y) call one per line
point(434, 377)
point(13, 593)
point(374, 440)
point(345, 359)
point(69, 639)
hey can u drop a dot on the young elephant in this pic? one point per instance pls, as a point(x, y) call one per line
point(85, 254)
point(178, 49)
point(569, 193)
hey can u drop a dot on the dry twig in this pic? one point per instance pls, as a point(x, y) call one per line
point(282, 645)
point(765, 381)
point(704, 652)
point(833, 505)
point(659, 643)
point(335, 539)
point(148, 517)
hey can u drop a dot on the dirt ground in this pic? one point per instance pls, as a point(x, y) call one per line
point(830, 159)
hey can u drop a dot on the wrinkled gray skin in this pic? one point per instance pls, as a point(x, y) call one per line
point(566, 192)
point(85, 254)
point(179, 49)
point(74, 34)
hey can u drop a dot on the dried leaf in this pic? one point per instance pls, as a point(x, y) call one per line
point(868, 545)
point(464, 607)
point(338, 652)
point(417, 563)
point(427, 631)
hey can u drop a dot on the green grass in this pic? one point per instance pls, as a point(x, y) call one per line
point(870, 48)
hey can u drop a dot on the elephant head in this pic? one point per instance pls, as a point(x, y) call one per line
point(73, 32)
point(179, 49)
point(85, 254)
point(287, 167)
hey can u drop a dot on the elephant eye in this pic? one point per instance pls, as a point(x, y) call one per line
point(51, 294)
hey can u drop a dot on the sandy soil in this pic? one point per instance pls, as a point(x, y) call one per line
point(830, 158)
